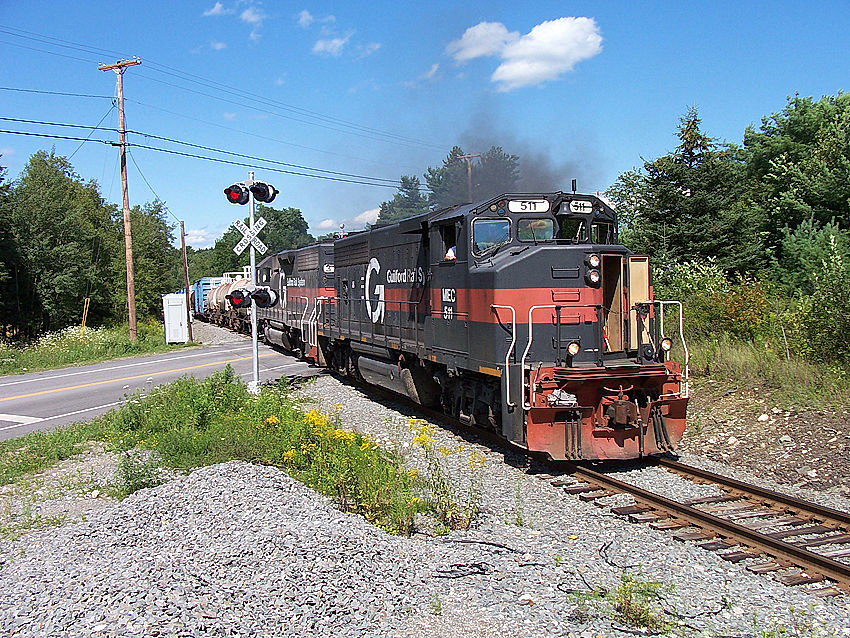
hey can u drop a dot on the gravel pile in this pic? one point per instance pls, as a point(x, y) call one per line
point(242, 550)
point(207, 333)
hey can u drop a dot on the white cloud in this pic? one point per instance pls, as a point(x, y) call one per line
point(430, 73)
point(218, 46)
point(365, 50)
point(217, 10)
point(545, 53)
point(485, 38)
point(253, 16)
point(548, 51)
point(305, 19)
point(327, 224)
point(332, 46)
point(200, 238)
point(367, 216)
point(280, 80)
point(228, 116)
point(7, 151)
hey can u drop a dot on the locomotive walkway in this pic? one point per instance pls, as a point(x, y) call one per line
point(45, 400)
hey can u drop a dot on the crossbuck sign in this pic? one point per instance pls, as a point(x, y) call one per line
point(250, 236)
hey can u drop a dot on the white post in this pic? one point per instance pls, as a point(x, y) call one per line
point(254, 386)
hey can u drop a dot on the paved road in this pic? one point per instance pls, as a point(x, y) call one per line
point(46, 400)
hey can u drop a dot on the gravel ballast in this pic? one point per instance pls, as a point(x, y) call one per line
point(243, 550)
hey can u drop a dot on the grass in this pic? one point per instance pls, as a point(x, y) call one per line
point(795, 381)
point(192, 423)
point(634, 603)
point(67, 347)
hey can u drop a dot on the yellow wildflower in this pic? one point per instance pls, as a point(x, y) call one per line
point(272, 420)
point(444, 451)
point(476, 460)
point(288, 456)
point(413, 473)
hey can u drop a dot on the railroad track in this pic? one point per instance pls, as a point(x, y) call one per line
point(776, 532)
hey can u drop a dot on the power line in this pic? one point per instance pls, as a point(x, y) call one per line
point(205, 158)
point(145, 180)
point(92, 132)
point(11, 88)
point(204, 148)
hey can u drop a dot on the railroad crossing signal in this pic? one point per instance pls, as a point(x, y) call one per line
point(263, 192)
point(250, 236)
point(264, 297)
point(239, 298)
point(237, 194)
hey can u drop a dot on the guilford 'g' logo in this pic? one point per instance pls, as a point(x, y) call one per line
point(376, 310)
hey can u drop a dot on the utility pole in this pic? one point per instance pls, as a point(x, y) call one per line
point(186, 280)
point(119, 67)
point(468, 159)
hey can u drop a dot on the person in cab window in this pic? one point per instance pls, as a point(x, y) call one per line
point(451, 253)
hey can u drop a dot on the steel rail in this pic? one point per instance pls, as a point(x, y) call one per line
point(827, 567)
point(826, 513)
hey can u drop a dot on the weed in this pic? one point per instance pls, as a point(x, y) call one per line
point(634, 600)
point(135, 472)
point(452, 510)
point(558, 560)
point(436, 605)
point(518, 519)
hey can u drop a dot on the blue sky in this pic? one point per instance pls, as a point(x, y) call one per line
point(374, 90)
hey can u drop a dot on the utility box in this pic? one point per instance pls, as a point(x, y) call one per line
point(174, 315)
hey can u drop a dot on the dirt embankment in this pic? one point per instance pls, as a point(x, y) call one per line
point(748, 427)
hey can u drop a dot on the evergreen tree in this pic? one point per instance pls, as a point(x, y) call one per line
point(448, 183)
point(690, 204)
point(407, 202)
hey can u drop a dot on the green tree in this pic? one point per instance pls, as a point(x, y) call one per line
point(62, 231)
point(407, 202)
point(157, 264)
point(690, 204)
point(495, 172)
point(448, 183)
point(798, 164)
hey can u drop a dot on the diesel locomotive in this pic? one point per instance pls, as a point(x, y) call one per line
point(521, 314)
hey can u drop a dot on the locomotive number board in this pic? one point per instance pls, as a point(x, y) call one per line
point(528, 206)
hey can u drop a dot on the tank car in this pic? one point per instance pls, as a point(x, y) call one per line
point(521, 314)
point(220, 312)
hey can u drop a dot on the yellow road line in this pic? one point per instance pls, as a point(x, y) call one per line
point(137, 376)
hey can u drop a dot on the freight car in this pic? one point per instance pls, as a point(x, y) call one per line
point(521, 314)
point(305, 285)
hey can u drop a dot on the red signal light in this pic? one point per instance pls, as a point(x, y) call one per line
point(237, 194)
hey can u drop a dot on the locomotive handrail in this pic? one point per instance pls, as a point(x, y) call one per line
point(661, 305)
point(527, 405)
point(510, 350)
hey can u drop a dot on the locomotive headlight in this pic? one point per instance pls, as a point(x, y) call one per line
point(593, 261)
point(593, 277)
point(666, 344)
point(573, 348)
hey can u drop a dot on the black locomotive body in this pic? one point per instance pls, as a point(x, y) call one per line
point(521, 314)
point(304, 282)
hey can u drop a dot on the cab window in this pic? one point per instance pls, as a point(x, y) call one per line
point(535, 229)
point(487, 233)
point(572, 228)
point(602, 233)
